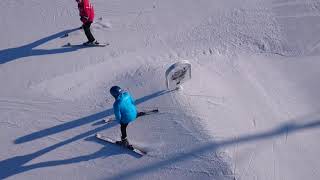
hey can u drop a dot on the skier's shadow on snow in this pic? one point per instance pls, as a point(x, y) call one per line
point(7, 55)
point(79, 122)
point(285, 129)
point(16, 165)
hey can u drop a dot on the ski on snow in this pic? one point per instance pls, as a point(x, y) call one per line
point(88, 45)
point(111, 141)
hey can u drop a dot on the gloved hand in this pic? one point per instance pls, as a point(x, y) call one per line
point(84, 18)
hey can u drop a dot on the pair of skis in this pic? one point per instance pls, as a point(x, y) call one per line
point(86, 45)
point(131, 147)
point(112, 141)
point(83, 45)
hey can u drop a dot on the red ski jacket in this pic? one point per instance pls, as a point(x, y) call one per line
point(86, 11)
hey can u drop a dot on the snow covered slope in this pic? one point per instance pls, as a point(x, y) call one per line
point(251, 110)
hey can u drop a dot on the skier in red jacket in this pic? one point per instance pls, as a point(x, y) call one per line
point(86, 13)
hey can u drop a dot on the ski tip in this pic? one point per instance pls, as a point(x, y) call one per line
point(109, 120)
point(98, 45)
point(98, 135)
point(144, 152)
point(103, 44)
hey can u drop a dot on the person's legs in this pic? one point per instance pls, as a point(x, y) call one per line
point(123, 131)
point(86, 28)
point(124, 141)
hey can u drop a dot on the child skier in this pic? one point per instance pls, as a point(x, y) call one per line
point(125, 112)
point(86, 13)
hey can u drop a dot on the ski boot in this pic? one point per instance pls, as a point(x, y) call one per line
point(90, 43)
point(141, 114)
point(124, 142)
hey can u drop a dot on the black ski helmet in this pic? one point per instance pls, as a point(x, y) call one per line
point(115, 91)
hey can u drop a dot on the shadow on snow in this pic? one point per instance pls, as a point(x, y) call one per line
point(79, 122)
point(16, 165)
point(283, 130)
point(7, 55)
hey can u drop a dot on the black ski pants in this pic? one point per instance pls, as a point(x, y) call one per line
point(123, 130)
point(123, 126)
point(86, 28)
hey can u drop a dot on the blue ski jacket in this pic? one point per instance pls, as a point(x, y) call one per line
point(124, 108)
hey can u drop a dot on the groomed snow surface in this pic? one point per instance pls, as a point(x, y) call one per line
point(250, 112)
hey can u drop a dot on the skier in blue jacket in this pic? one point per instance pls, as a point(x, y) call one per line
point(125, 111)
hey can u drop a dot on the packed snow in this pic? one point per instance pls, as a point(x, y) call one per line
point(250, 112)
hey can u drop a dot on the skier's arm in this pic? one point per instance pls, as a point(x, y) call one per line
point(84, 11)
point(132, 100)
point(86, 8)
point(117, 113)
